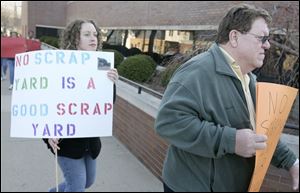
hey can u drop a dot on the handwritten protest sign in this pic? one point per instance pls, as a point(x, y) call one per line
point(274, 103)
point(62, 94)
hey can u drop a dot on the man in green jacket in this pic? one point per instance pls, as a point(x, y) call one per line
point(207, 113)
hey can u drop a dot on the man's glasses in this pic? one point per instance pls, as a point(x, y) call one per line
point(263, 39)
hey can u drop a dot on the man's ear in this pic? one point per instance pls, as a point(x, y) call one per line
point(233, 38)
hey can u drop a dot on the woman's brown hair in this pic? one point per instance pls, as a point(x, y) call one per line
point(70, 37)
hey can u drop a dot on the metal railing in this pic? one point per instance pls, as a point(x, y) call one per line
point(141, 88)
point(45, 46)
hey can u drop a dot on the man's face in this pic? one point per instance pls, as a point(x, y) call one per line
point(88, 37)
point(253, 44)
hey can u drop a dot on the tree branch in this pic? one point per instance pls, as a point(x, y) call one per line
point(285, 48)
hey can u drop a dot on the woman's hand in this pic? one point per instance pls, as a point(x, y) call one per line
point(294, 171)
point(54, 143)
point(113, 75)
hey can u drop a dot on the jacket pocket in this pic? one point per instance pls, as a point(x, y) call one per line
point(236, 118)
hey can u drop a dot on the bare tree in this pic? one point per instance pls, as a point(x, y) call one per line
point(6, 20)
point(282, 59)
point(10, 20)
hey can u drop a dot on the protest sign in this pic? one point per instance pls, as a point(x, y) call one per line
point(62, 94)
point(273, 104)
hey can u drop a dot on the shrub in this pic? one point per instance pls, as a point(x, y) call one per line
point(122, 49)
point(155, 56)
point(118, 56)
point(53, 41)
point(168, 73)
point(137, 68)
point(134, 51)
point(149, 59)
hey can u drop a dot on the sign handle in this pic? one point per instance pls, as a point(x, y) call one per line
point(56, 172)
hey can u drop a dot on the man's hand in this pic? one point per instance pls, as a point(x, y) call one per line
point(247, 142)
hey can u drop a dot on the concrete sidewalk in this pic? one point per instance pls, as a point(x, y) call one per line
point(28, 166)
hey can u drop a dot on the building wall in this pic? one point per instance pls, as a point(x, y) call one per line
point(24, 18)
point(194, 15)
point(164, 15)
point(43, 13)
point(134, 128)
point(145, 14)
point(184, 15)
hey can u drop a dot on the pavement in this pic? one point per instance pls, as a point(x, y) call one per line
point(28, 166)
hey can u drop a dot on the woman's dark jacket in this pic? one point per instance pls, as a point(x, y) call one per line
point(76, 147)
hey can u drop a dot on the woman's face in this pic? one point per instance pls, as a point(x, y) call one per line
point(88, 37)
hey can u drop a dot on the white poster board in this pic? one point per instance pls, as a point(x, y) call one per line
point(62, 94)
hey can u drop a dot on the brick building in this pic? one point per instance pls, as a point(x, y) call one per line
point(165, 15)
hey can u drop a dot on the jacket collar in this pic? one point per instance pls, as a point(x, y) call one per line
point(222, 66)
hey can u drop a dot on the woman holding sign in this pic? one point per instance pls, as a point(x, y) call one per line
point(77, 156)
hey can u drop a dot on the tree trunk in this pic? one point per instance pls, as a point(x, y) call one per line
point(110, 34)
point(194, 40)
point(125, 38)
point(151, 41)
point(144, 37)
